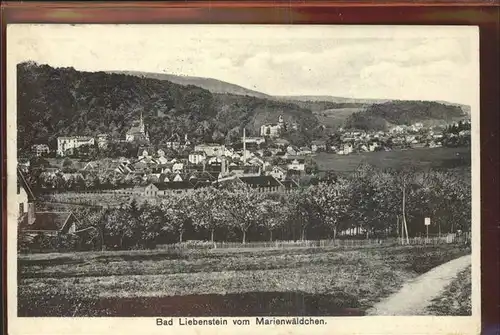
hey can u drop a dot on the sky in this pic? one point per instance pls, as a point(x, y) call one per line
point(379, 62)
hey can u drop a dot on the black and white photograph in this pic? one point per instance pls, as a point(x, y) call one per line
point(285, 174)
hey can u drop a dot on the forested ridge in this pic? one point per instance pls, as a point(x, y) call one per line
point(55, 102)
point(380, 116)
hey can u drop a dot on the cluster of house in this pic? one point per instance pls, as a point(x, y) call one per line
point(207, 164)
point(246, 161)
point(269, 157)
point(415, 136)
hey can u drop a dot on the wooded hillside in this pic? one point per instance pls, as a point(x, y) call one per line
point(379, 116)
point(56, 102)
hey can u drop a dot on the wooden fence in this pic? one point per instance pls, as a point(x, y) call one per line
point(338, 243)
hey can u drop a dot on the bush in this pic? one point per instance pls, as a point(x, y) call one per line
point(47, 243)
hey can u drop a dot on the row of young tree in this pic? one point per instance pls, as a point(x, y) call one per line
point(374, 203)
point(91, 181)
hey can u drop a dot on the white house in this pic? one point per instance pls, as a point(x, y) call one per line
point(24, 194)
point(297, 165)
point(305, 151)
point(178, 167)
point(348, 148)
point(318, 145)
point(278, 173)
point(162, 160)
point(66, 145)
point(102, 141)
point(177, 178)
point(373, 146)
point(211, 149)
point(197, 157)
point(291, 151)
point(256, 140)
point(40, 149)
point(143, 154)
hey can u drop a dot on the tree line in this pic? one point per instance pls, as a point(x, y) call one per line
point(369, 203)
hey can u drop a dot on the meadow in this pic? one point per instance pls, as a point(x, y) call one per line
point(298, 281)
point(419, 158)
point(336, 117)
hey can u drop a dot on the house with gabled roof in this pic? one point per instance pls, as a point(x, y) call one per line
point(290, 185)
point(48, 223)
point(318, 145)
point(259, 183)
point(197, 157)
point(24, 193)
point(162, 160)
point(278, 172)
point(162, 189)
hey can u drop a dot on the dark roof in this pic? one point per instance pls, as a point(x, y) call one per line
point(207, 175)
point(213, 168)
point(47, 221)
point(290, 183)
point(173, 185)
point(262, 181)
point(21, 181)
point(292, 158)
point(202, 183)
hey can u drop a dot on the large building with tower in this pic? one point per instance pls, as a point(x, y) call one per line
point(273, 129)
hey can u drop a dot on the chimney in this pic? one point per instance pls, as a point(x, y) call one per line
point(244, 148)
point(223, 166)
point(31, 213)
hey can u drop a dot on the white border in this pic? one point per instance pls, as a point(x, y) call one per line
point(338, 325)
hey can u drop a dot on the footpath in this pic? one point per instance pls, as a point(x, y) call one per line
point(417, 294)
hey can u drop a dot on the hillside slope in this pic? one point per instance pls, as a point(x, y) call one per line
point(209, 84)
point(380, 116)
point(331, 111)
point(329, 98)
point(56, 102)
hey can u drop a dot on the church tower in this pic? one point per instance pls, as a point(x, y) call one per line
point(281, 122)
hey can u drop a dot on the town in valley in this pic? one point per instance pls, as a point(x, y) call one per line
point(157, 194)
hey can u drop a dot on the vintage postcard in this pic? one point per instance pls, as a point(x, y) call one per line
point(243, 178)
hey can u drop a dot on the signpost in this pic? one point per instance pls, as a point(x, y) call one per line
point(427, 224)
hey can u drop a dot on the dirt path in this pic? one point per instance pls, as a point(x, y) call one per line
point(417, 294)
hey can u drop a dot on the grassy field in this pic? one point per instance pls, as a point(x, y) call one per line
point(422, 158)
point(335, 118)
point(456, 299)
point(316, 281)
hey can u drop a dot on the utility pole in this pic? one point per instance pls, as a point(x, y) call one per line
point(404, 214)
